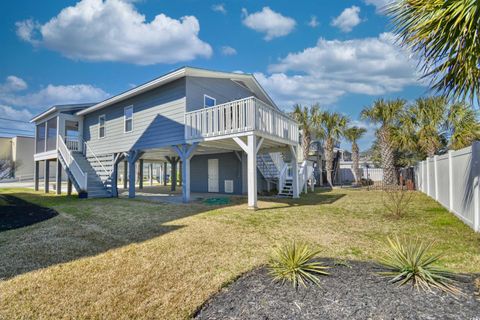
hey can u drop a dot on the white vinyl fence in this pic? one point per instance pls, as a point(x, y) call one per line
point(453, 180)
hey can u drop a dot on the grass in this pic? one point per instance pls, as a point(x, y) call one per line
point(120, 258)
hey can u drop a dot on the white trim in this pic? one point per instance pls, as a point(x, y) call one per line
point(207, 96)
point(125, 120)
point(104, 126)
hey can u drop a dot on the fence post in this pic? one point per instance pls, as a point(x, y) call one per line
point(435, 169)
point(428, 176)
point(476, 188)
point(450, 180)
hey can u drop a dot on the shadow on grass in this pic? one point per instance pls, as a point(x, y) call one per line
point(80, 228)
point(318, 197)
point(17, 213)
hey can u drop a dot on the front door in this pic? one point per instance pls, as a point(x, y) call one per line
point(213, 175)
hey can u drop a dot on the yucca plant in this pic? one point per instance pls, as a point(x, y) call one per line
point(295, 263)
point(410, 261)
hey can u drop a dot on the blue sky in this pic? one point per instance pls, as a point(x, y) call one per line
point(337, 53)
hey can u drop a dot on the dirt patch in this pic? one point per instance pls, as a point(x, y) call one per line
point(352, 291)
point(17, 213)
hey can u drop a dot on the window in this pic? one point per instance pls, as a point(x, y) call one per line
point(101, 126)
point(40, 138)
point(208, 101)
point(128, 117)
point(52, 134)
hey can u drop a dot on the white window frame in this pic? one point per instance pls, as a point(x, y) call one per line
point(207, 96)
point(125, 119)
point(104, 126)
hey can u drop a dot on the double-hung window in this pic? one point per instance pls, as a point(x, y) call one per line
point(208, 101)
point(128, 119)
point(101, 126)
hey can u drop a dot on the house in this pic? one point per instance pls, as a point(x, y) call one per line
point(224, 129)
point(18, 151)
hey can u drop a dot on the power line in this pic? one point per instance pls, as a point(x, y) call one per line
point(22, 121)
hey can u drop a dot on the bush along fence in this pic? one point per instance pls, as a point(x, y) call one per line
point(453, 180)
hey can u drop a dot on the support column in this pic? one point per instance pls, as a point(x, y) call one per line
point(36, 174)
point(185, 153)
point(140, 174)
point(46, 176)
point(132, 159)
point(180, 174)
point(69, 186)
point(150, 167)
point(164, 173)
point(252, 171)
point(125, 174)
point(115, 179)
point(294, 164)
point(59, 177)
point(173, 174)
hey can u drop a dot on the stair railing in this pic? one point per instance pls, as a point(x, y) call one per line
point(89, 150)
point(282, 177)
point(78, 174)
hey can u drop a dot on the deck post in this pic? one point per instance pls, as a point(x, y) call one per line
point(140, 174)
point(294, 164)
point(58, 177)
point(150, 173)
point(132, 158)
point(185, 152)
point(46, 175)
point(180, 173)
point(36, 174)
point(69, 186)
point(125, 174)
point(114, 179)
point(165, 173)
point(173, 168)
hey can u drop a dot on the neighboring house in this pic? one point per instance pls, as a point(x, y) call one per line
point(18, 151)
point(225, 130)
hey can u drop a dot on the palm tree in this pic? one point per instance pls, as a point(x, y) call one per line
point(462, 126)
point(427, 119)
point(352, 134)
point(387, 115)
point(306, 117)
point(444, 36)
point(330, 126)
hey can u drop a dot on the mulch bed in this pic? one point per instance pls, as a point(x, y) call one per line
point(17, 213)
point(352, 291)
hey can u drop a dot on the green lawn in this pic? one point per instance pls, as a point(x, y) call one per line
point(120, 258)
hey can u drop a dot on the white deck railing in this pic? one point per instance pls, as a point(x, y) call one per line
point(239, 116)
point(77, 172)
point(73, 143)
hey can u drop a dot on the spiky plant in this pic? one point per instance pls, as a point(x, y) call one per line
point(295, 263)
point(410, 261)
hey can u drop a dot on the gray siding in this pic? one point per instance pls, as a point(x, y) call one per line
point(223, 90)
point(229, 168)
point(158, 121)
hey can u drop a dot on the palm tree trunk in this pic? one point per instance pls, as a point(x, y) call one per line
point(329, 160)
point(388, 159)
point(306, 140)
point(355, 163)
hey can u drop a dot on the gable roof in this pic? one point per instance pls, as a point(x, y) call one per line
point(59, 108)
point(245, 79)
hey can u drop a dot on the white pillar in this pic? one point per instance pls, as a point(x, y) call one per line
point(150, 173)
point(435, 168)
point(294, 164)
point(450, 180)
point(252, 171)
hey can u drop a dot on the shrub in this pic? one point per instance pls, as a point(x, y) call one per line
point(396, 201)
point(295, 263)
point(410, 261)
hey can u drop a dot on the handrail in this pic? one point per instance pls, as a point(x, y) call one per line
point(87, 147)
point(77, 172)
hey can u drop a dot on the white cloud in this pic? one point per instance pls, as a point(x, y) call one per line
point(219, 8)
point(228, 51)
point(380, 5)
point(50, 95)
point(333, 68)
point(267, 21)
point(13, 83)
point(313, 22)
point(348, 19)
point(113, 30)
point(8, 112)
